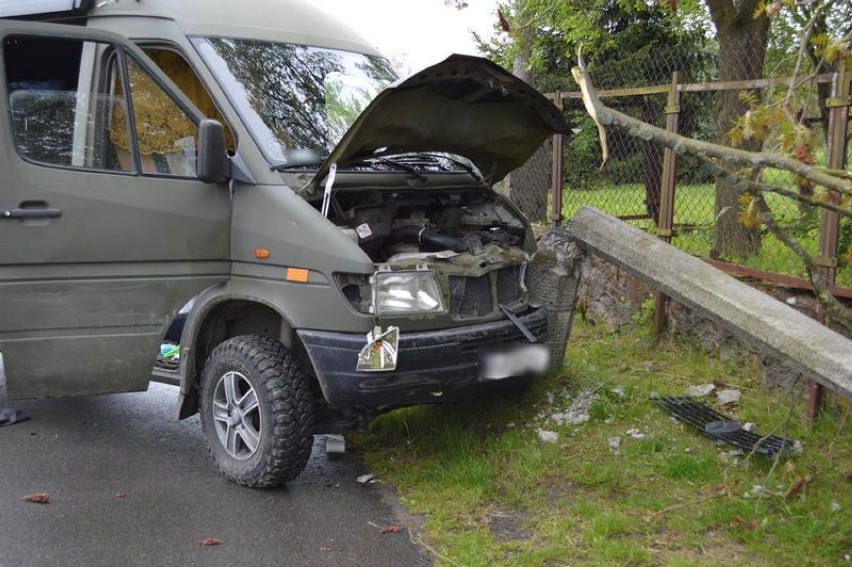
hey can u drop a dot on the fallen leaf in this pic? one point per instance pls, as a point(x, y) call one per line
point(209, 542)
point(391, 529)
point(795, 488)
point(739, 523)
point(38, 498)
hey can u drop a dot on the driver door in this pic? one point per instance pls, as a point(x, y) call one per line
point(105, 230)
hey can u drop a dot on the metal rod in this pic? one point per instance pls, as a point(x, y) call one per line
point(830, 222)
point(557, 171)
point(667, 195)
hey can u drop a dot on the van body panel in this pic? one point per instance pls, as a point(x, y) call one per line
point(86, 296)
point(296, 234)
point(293, 21)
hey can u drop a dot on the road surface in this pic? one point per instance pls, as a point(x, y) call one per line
point(131, 486)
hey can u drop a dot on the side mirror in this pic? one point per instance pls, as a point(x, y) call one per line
point(211, 165)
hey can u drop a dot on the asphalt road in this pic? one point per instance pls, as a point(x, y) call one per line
point(130, 486)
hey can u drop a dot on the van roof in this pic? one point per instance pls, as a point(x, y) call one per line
point(290, 21)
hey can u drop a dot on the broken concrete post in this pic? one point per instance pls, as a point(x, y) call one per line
point(552, 277)
point(756, 317)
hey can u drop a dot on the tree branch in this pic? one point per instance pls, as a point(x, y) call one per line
point(720, 160)
point(605, 116)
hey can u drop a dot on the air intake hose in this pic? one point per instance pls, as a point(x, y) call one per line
point(433, 240)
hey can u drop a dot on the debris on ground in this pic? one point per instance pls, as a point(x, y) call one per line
point(547, 436)
point(614, 443)
point(37, 498)
point(749, 426)
point(717, 426)
point(835, 506)
point(387, 529)
point(578, 413)
point(727, 397)
point(700, 391)
point(368, 478)
point(618, 391)
point(210, 542)
point(759, 491)
point(729, 456)
point(634, 433)
point(8, 416)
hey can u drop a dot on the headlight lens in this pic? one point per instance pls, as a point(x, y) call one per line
point(407, 292)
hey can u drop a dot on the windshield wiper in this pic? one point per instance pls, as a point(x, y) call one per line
point(395, 164)
point(465, 166)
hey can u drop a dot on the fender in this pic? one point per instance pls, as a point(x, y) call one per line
point(312, 306)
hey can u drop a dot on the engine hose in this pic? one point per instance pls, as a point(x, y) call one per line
point(430, 238)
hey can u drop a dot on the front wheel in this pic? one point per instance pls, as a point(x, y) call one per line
point(256, 411)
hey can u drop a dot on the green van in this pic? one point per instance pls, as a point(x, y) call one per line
point(330, 234)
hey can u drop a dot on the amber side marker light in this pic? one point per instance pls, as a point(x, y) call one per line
point(299, 275)
point(261, 253)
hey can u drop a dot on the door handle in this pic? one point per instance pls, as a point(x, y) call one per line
point(34, 213)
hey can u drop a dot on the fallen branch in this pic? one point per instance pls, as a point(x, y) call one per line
point(835, 309)
point(605, 116)
point(722, 160)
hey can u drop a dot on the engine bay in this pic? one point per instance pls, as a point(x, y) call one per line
point(392, 225)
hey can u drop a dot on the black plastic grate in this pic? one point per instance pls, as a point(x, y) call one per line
point(470, 296)
point(508, 286)
point(717, 426)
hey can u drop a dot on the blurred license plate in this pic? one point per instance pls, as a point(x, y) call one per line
point(514, 361)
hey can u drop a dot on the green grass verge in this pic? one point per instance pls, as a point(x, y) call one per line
point(492, 493)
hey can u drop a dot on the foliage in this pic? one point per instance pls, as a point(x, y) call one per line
point(622, 40)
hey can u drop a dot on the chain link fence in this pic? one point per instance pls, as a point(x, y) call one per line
point(629, 185)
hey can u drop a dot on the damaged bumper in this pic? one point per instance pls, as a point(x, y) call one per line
point(434, 366)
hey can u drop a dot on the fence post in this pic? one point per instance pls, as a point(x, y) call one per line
point(665, 222)
point(556, 179)
point(838, 116)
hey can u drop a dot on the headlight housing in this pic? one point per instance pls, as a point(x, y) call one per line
point(401, 293)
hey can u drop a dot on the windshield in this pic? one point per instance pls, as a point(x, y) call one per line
point(297, 101)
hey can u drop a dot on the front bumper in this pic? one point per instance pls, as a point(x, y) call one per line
point(433, 366)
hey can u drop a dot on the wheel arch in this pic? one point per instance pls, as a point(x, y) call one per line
point(218, 315)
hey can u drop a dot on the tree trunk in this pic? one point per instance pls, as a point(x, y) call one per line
point(742, 49)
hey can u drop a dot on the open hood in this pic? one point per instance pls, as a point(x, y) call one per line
point(464, 105)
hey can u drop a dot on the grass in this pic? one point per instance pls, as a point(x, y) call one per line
point(694, 207)
point(492, 493)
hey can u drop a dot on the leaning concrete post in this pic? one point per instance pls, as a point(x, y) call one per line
point(756, 317)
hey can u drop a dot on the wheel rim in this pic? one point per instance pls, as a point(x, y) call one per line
point(236, 415)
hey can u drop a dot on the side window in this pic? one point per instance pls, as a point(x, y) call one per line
point(182, 74)
point(58, 117)
point(165, 135)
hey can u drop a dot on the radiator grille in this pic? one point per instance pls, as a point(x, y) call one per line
point(508, 286)
point(470, 296)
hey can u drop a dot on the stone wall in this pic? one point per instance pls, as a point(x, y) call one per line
point(610, 295)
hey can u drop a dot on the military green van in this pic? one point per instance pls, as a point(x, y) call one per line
point(331, 234)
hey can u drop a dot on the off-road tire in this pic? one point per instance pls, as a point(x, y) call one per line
point(283, 418)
